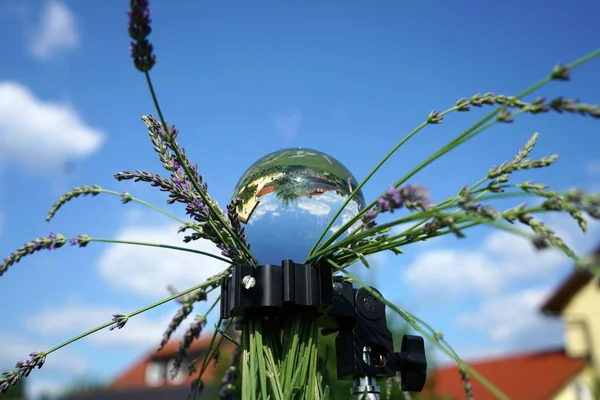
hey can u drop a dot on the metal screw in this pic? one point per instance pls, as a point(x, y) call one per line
point(378, 359)
point(370, 303)
point(248, 282)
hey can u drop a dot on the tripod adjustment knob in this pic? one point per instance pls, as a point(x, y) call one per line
point(412, 363)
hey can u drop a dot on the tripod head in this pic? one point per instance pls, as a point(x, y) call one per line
point(364, 344)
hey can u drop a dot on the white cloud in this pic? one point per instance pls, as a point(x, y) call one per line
point(15, 348)
point(501, 259)
point(268, 204)
point(288, 124)
point(140, 331)
point(593, 167)
point(313, 207)
point(41, 134)
point(514, 320)
point(447, 273)
point(57, 31)
point(347, 214)
point(147, 270)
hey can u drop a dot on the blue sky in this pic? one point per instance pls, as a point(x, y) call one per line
point(240, 81)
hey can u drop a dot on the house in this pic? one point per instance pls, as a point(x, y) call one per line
point(569, 373)
point(246, 209)
point(148, 378)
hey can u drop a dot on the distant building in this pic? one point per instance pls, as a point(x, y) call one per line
point(246, 209)
point(149, 377)
point(569, 373)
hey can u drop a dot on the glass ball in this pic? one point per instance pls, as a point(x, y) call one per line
point(288, 199)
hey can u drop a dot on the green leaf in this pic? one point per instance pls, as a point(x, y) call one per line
point(396, 250)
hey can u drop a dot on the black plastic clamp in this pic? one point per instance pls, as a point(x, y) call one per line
point(357, 316)
point(273, 288)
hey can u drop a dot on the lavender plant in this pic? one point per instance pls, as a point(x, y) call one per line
point(285, 366)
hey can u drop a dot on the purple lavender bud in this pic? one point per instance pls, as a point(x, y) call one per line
point(197, 386)
point(126, 197)
point(383, 204)
point(195, 328)
point(4, 386)
point(139, 29)
point(24, 367)
point(11, 377)
point(415, 194)
point(393, 195)
point(81, 240)
point(410, 196)
point(368, 219)
point(434, 117)
point(55, 241)
point(226, 392)
point(38, 358)
point(120, 320)
point(169, 135)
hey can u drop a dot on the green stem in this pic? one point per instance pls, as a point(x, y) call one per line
point(164, 246)
point(226, 336)
point(412, 321)
point(447, 204)
point(468, 134)
point(422, 215)
point(155, 208)
point(373, 171)
point(211, 346)
point(445, 149)
point(196, 185)
point(141, 310)
point(397, 241)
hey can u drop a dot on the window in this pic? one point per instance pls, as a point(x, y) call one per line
point(582, 391)
point(155, 373)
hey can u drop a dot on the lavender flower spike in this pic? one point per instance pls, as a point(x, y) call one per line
point(227, 388)
point(8, 379)
point(142, 50)
point(23, 369)
point(52, 241)
point(412, 197)
point(192, 333)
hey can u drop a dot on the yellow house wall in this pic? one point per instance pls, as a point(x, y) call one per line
point(246, 209)
point(582, 324)
point(569, 391)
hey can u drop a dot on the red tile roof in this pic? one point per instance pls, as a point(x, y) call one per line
point(134, 376)
point(266, 190)
point(534, 376)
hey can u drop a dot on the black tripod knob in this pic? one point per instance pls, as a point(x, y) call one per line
point(412, 363)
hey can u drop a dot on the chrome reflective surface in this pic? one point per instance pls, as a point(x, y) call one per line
point(288, 198)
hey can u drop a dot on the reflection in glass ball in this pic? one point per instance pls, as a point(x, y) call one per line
point(289, 197)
